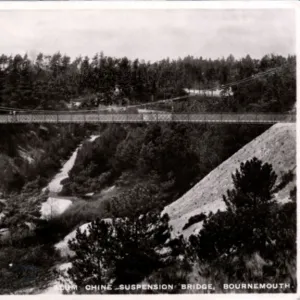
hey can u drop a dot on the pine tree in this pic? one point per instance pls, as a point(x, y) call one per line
point(244, 227)
point(253, 185)
point(96, 251)
point(118, 251)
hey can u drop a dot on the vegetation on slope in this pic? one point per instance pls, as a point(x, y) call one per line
point(26, 251)
point(253, 241)
point(277, 146)
point(150, 165)
point(126, 250)
point(46, 146)
point(253, 227)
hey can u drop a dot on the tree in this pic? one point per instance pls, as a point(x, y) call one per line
point(50, 80)
point(254, 239)
point(254, 227)
point(142, 239)
point(253, 185)
point(118, 251)
point(166, 150)
point(96, 253)
point(243, 227)
point(140, 199)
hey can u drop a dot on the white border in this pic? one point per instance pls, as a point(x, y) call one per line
point(86, 5)
point(140, 4)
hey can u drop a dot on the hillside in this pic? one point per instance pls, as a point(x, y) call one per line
point(33, 152)
point(277, 146)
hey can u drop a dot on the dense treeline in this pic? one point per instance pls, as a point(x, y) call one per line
point(49, 81)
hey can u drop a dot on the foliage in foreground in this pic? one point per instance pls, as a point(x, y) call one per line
point(252, 241)
point(120, 250)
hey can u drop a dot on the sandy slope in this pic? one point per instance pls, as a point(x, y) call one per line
point(276, 146)
point(55, 185)
point(93, 138)
point(63, 247)
point(54, 207)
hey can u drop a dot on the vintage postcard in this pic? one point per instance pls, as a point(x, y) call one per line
point(147, 150)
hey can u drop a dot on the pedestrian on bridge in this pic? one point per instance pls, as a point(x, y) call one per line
point(14, 115)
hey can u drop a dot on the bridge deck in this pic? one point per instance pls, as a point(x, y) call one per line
point(94, 117)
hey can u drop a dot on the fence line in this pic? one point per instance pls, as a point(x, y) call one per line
point(93, 117)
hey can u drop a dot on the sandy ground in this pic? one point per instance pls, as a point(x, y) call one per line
point(54, 207)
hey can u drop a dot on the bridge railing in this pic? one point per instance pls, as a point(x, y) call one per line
point(96, 117)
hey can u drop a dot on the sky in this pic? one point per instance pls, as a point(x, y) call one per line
point(149, 34)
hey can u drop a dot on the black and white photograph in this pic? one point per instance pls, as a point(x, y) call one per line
point(147, 151)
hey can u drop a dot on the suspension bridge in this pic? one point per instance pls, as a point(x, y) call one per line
point(147, 117)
